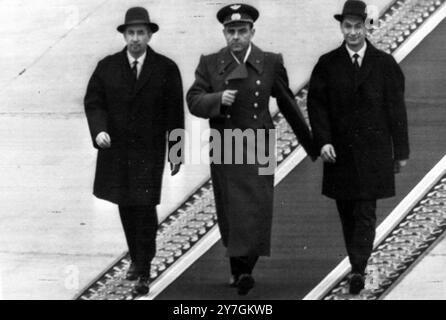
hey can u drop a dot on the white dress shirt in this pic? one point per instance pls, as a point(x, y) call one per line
point(140, 62)
point(361, 53)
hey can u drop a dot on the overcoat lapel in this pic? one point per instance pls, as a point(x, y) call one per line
point(367, 64)
point(366, 67)
point(225, 63)
point(126, 70)
point(240, 72)
point(256, 59)
point(227, 66)
point(147, 70)
point(346, 62)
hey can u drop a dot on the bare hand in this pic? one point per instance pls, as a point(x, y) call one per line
point(174, 168)
point(398, 165)
point(228, 97)
point(328, 153)
point(103, 140)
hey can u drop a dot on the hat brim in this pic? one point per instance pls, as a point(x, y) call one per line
point(340, 17)
point(152, 26)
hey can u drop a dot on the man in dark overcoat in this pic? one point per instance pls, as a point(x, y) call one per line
point(232, 89)
point(134, 100)
point(358, 116)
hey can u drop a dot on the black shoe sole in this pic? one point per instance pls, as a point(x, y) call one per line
point(141, 290)
point(356, 285)
point(245, 284)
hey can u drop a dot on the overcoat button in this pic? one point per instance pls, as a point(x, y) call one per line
point(226, 82)
point(228, 116)
point(254, 117)
point(258, 82)
point(257, 93)
point(256, 105)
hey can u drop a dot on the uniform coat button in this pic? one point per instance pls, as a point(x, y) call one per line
point(259, 82)
point(256, 93)
point(256, 105)
point(228, 116)
point(226, 82)
point(254, 117)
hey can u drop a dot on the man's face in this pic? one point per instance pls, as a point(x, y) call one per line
point(137, 38)
point(354, 31)
point(238, 36)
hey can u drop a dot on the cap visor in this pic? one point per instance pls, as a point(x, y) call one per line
point(238, 21)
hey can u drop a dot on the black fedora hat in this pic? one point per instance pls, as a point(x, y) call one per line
point(237, 12)
point(353, 8)
point(137, 15)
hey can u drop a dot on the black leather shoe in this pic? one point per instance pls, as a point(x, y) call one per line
point(142, 286)
point(244, 284)
point(356, 283)
point(132, 273)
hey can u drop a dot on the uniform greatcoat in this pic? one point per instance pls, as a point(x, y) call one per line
point(244, 199)
point(363, 115)
point(138, 115)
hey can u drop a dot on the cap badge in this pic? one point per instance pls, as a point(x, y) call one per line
point(236, 6)
point(236, 16)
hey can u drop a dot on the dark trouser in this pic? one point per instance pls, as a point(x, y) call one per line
point(140, 225)
point(358, 219)
point(242, 265)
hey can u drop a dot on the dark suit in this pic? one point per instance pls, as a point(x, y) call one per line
point(363, 115)
point(138, 116)
point(244, 199)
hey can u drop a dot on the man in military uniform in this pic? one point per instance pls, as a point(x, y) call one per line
point(232, 89)
point(134, 100)
point(358, 116)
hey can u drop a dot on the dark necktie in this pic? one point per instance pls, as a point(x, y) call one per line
point(135, 69)
point(355, 62)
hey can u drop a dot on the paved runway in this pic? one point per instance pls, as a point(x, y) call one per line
point(307, 241)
